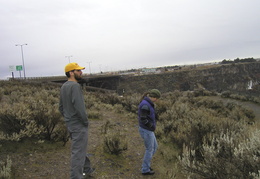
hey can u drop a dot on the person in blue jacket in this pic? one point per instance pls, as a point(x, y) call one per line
point(147, 126)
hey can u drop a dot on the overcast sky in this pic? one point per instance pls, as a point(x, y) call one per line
point(105, 35)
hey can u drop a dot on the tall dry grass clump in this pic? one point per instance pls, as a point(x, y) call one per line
point(224, 157)
point(6, 168)
point(114, 139)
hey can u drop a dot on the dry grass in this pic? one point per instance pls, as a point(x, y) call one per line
point(114, 115)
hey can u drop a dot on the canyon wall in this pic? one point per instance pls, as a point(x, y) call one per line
point(238, 77)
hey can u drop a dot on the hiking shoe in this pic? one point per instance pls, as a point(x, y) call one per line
point(89, 173)
point(151, 172)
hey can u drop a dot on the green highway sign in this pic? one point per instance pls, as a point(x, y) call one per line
point(19, 68)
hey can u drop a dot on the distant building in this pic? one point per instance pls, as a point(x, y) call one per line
point(148, 70)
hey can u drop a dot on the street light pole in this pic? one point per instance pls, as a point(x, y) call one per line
point(89, 67)
point(100, 68)
point(22, 58)
point(68, 57)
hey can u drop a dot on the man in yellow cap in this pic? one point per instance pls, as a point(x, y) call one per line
point(73, 109)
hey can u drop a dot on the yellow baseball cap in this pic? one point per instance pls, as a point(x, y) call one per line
point(73, 66)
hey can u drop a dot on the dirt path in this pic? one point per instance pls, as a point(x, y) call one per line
point(248, 105)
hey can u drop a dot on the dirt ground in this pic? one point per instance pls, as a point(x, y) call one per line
point(40, 160)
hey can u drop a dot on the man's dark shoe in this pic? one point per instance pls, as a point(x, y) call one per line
point(151, 172)
point(89, 173)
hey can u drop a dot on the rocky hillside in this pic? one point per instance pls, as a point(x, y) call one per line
point(240, 77)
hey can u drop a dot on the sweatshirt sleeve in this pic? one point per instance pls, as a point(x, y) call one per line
point(61, 106)
point(144, 116)
point(79, 104)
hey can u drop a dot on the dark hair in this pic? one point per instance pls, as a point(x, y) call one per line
point(68, 74)
point(144, 95)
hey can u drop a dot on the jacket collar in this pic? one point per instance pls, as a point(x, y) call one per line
point(149, 101)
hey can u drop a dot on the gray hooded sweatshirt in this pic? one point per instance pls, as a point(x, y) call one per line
point(72, 105)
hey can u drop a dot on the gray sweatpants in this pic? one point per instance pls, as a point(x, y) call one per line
point(79, 160)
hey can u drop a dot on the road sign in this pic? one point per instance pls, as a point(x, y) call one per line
point(19, 68)
point(11, 68)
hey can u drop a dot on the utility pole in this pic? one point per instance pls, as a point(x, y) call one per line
point(89, 67)
point(68, 57)
point(22, 58)
point(100, 68)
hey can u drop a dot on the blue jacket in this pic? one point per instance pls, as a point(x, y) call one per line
point(146, 114)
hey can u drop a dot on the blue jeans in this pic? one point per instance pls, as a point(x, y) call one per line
point(151, 146)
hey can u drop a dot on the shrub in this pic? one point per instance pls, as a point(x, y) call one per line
point(224, 157)
point(1, 94)
point(256, 99)
point(247, 154)
point(15, 124)
point(119, 108)
point(191, 121)
point(109, 98)
point(129, 102)
point(114, 142)
point(203, 92)
point(30, 112)
point(226, 94)
point(5, 168)
point(91, 100)
point(92, 114)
